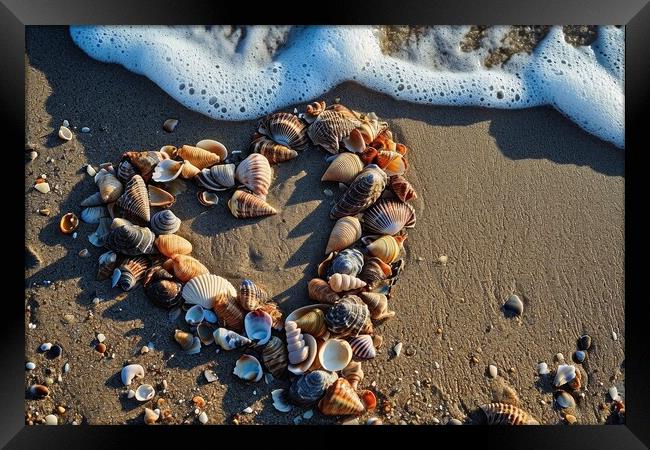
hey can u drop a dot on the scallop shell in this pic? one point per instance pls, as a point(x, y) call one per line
point(251, 295)
point(69, 222)
point(377, 305)
point(107, 263)
point(258, 326)
point(348, 317)
point(131, 240)
point(340, 282)
point(274, 153)
point(98, 238)
point(353, 373)
point(363, 347)
point(217, 178)
point(346, 262)
point(110, 188)
point(203, 289)
point(374, 271)
point(92, 200)
point(320, 291)
point(160, 197)
point(167, 170)
point(172, 244)
point(346, 231)
point(275, 357)
point(135, 199)
point(334, 354)
point(125, 171)
point(186, 268)
point(363, 192)
point(144, 162)
point(229, 340)
point(302, 349)
point(130, 372)
point(93, 214)
point(313, 110)
point(330, 127)
point(388, 216)
point(344, 168)
point(313, 323)
point(165, 222)
point(341, 400)
point(307, 389)
point(386, 248)
point(248, 368)
point(198, 157)
point(507, 414)
point(402, 188)
point(285, 129)
point(255, 173)
point(215, 147)
point(195, 315)
point(244, 205)
point(132, 270)
point(230, 314)
point(164, 293)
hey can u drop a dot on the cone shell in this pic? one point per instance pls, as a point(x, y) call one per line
point(167, 170)
point(353, 373)
point(164, 293)
point(313, 322)
point(165, 222)
point(374, 270)
point(131, 240)
point(251, 296)
point(307, 389)
point(340, 282)
point(330, 127)
point(285, 129)
point(255, 173)
point(230, 314)
point(185, 268)
point(217, 178)
point(388, 216)
point(107, 263)
point(363, 347)
point(321, 292)
point(377, 305)
point(275, 357)
point(135, 199)
point(110, 188)
point(229, 340)
point(341, 400)
point(507, 414)
point(363, 192)
point(386, 248)
point(131, 271)
point(344, 168)
point(402, 188)
point(160, 197)
point(348, 317)
point(205, 288)
point(248, 368)
point(244, 205)
point(346, 231)
point(172, 244)
point(215, 147)
point(274, 153)
point(198, 157)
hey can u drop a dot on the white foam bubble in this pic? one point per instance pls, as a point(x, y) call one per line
point(232, 74)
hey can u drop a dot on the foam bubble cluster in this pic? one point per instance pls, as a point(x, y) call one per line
point(231, 74)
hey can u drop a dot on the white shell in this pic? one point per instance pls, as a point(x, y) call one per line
point(565, 373)
point(167, 170)
point(229, 340)
point(203, 289)
point(258, 326)
point(280, 401)
point(302, 349)
point(65, 133)
point(340, 282)
point(335, 354)
point(248, 368)
point(144, 392)
point(130, 372)
point(195, 315)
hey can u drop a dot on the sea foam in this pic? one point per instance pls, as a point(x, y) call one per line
point(232, 74)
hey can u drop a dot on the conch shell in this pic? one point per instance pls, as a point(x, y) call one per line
point(340, 282)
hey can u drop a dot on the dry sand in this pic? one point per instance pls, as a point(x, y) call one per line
point(519, 201)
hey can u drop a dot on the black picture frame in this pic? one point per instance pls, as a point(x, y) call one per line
point(633, 14)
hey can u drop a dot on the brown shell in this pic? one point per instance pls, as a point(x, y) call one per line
point(135, 199)
point(344, 169)
point(172, 244)
point(402, 188)
point(185, 267)
point(353, 373)
point(321, 292)
point(160, 197)
point(275, 357)
point(374, 270)
point(189, 170)
point(198, 157)
point(330, 127)
point(275, 153)
point(230, 314)
point(313, 322)
point(244, 205)
point(69, 223)
point(107, 263)
point(272, 309)
point(507, 414)
point(255, 173)
point(285, 129)
point(363, 192)
point(377, 304)
point(144, 162)
point(341, 400)
point(251, 296)
point(132, 270)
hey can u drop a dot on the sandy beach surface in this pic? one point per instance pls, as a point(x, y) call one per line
point(518, 201)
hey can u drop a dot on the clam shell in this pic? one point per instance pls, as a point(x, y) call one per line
point(377, 305)
point(215, 147)
point(160, 197)
point(363, 347)
point(207, 198)
point(229, 340)
point(346, 262)
point(144, 392)
point(402, 188)
point(347, 317)
point(274, 153)
point(93, 200)
point(164, 293)
point(98, 238)
point(374, 271)
point(198, 157)
point(258, 326)
point(313, 323)
point(255, 173)
point(393, 163)
point(320, 291)
point(334, 354)
point(110, 188)
point(248, 368)
point(93, 214)
point(307, 389)
point(275, 357)
point(296, 314)
point(506, 414)
point(125, 171)
point(346, 231)
point(564, 374)
point(165, 222)
point(344, 282)
point(285, 129)
point(388, 217)
point(302, 349)
point(107, 263)
point(195, 315)
point(172, 244)
point(130, 372)
point(230, 314)
point(565, 400)
point(353, 373)
point(341, 400)
point(344, 168)
point(135, 199)
point(167, 170)
point(251, 295)
point(280, 403)
point(244, 205)
point(363, 192)
point(330, 127)
point(387, 248)
point(69, 222)
point(205, 333)
point(205, 288)
point(130, 272)
point(217, 178)
point(186, 268)
point(131, 240)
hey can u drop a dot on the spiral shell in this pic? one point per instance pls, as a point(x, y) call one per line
point(125, 171)
point(313, 323)
point(388, 216)
point(341, 400)
point(244, 205)
point(321, 292)
point(362, 347)
point(363, 192)
point(313, 110)
point(392, 163)
point(215, 147)
point(507, 414)
point(160, 197)
point(144, 162)
point(374, 271)
point(172, 244)
point(110, 188)
point(131, 240)
point(135, 199)
point(275, 357)
point(386, 248)
point(353, 373)
point(198, 157)
point(285, 129)
point(402, 188)
point(229, 340)
point(186, 268)
point(344, 169)
point(307, 389)
point(107, 263)
point(346, 231)
point(164, 293)
point(255, 173)
point(205, 288)
point(340, 282)
point(165, 222)
point(167, 170)
point(302, 349)
point(377, 305)
point(275, 153)
point(217, 178)
point(330, 127)
point(348, 262)
point(251, 295)
point(230, 314)
point(348, 317)
point(130, 271)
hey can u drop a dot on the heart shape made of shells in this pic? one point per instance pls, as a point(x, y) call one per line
point(324, 342)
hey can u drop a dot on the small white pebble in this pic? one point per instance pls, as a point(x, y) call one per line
point(254, 392)
point(144, 350)
point(542, 368)
point(96, 300)
point(197, 411)
point(66, 368)
point(614, 335)
point(66, 123)
point(51, 419)
point(542, 402)
point(373, 384)
point(442, 259)
point(248, 410)
point(45, 346)
point(90, 170)
point(493, 371)
point(397, 349)
point(74, 235)
point(436, 420)
point(32, 326)
point(308, 414)
point(85, 130)
point(74, 422)
point(30, 366)
point(203, 418)
point(436, 365)
point(130, 394)
point(100, 337)
point(613, 393)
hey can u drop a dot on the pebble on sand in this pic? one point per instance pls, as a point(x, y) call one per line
point(493, 371)
point(30, 366)
point(613, 393)
point(514, 305)
point(90, 170)
point(210, 376)
point(100, 338)
point(33, 155)
point(203, 418)
point(584, 342)
point(170, 125)
point(542, 368)
point(397, 349)
point(51, 419)
point(443, 259)
point(85, 130)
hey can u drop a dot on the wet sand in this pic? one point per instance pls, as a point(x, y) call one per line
point(519, 201)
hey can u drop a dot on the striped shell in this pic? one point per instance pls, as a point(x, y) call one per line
point(353, 373)
point(371, 127)
point(229, 340)
point(164, 293)
point(167, 170)
point(344, 169)
point(348, 317)
point(217, 178)
point(275, 357)
point(388, 216)
point(130, 271)
point(363, 192)
point(131, 240)
point(330, 127)
point(374, 270)
point(160, 197)
point(125, 171)
point(392, 163)
point(274, 153)
point(110, 188)
point(321, 292)
point(386, 248)
point(251, 296)
point(348, 261)
point(215, 147)
point(377, 305)
point(313, 110)
point(135, 199)
point(244, 205)
point(402, 188)
point(507, 414)
point(362, 347)
point(107, 263)
point(189, 170)
point(204, 289)
point(346, 231)
point(341, 400)
point(165, 222)
point(285, 129)
point(198, 157)
point(307, 389)
point(172, 244)
point(340, 282)
point(255, 173)
point(185, 267)
point(230, 314)
point(144, 162)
